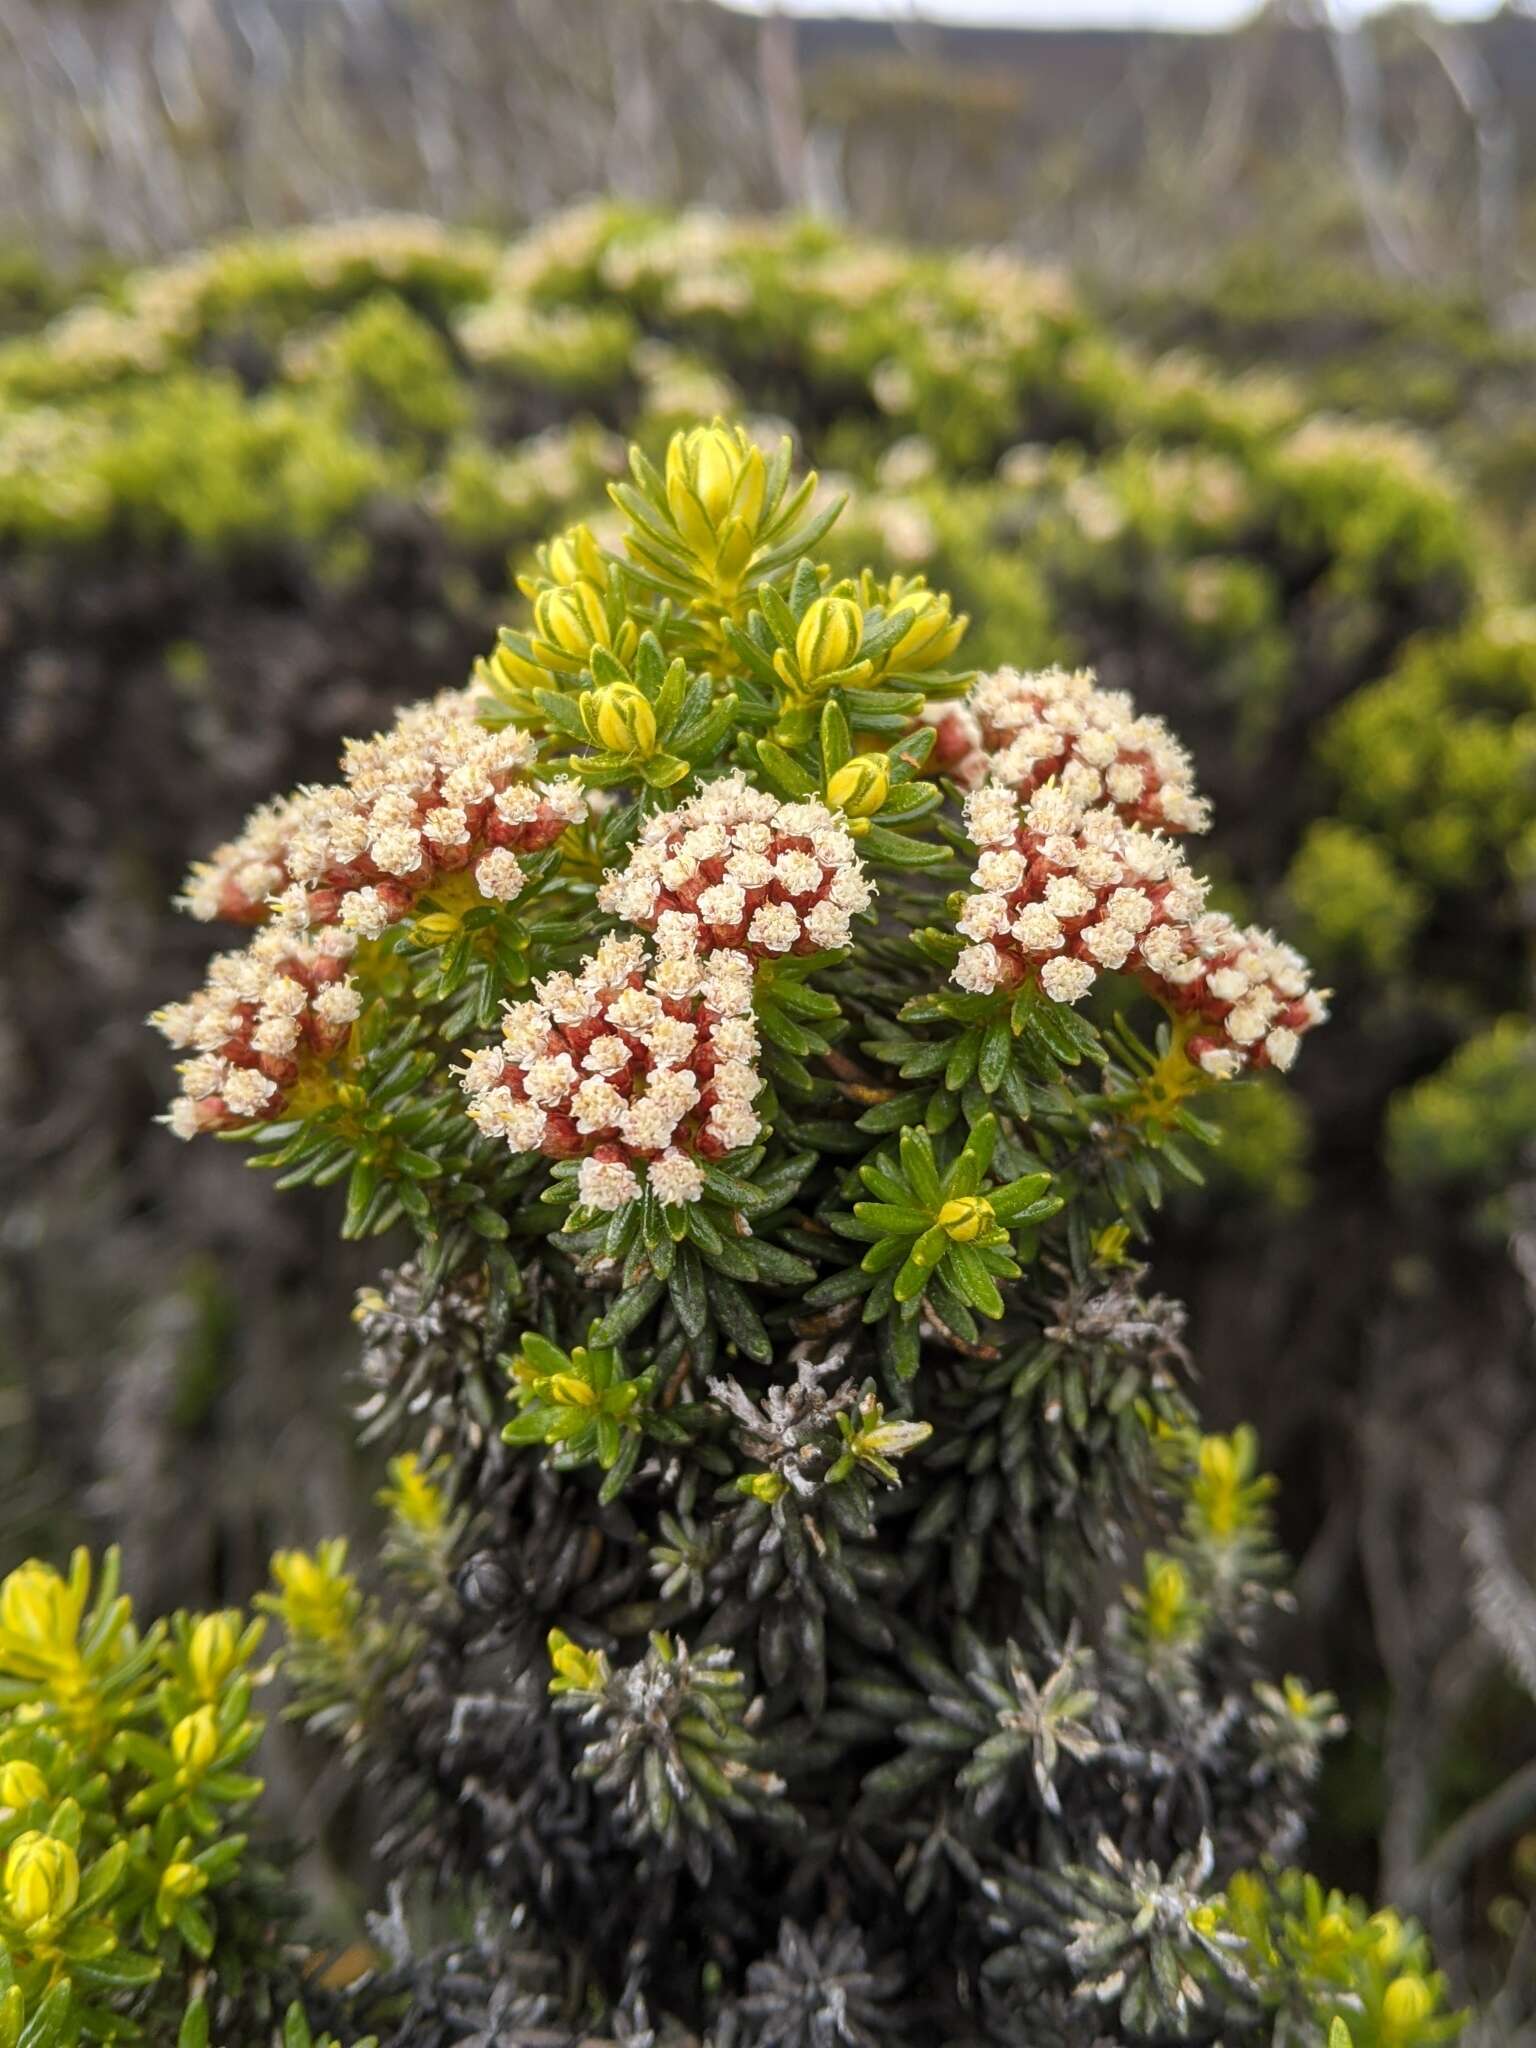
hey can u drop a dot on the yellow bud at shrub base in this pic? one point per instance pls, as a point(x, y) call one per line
point(576, 1669)
point(764, 1486)
point(213, 1652)
point(965, 1218)
point(179, 1881)
point(195, 1741)
point(21, 1783)
point(1406, 2003)
point(35, 1607)
point(42, 1880)
point(861, 786)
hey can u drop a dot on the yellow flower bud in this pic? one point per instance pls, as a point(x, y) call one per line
point(570, 1392)
point(1167, 1598)
point(21, 1783)
point(1218, 1463)
point(195, 1741)
point(576, 555)
point(828, 637)
point(436, 928)
point(1220, 1484)
point(1406, 2003)
point(860, 786)
point(721, 469)
point(1333, 1931)
point(179, 1881)
point(514, 671)
point(42, 1880)
point(1386, 1932)
point(965, 1218)
point(36, 1609)
point(931, 637)
point(315, 1595)
point(213, 1652)
point(1109, 1244)
point(413, 1497)
point(623, 719)
point(576, 1669)
point(764, 1486)
point(572, 620)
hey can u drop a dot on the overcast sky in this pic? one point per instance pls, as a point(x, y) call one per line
point(1210, 14)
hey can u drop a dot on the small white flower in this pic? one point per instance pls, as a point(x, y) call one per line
point(338, 1005)
point(483, 1070)
point(364, 913)
point(596, 1106)
point(674, 1178)
point(979, 969)
point(775, 927)
point(828, 926)
point(247, 1091)
point(445, 826)
point(1066, 980)
point(498, 875)
point(551, 1080)
point(606, 1184)
point(1220, 1062)
point(1282, 1045)
point(1109, 944)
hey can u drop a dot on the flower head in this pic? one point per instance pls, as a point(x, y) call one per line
point(331, 868)
point(639, 1066)
point(1061, 726)
point(735, 868)
point(1064, 892)
point(428, 797)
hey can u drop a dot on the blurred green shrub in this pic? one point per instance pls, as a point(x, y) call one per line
point(1472, 1124)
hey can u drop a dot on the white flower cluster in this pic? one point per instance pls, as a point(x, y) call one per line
point(433, 794)
point(1064, 892)
point(339, 863)
point(260, 1008)
point(1060, 726)
point(735, 867)
point(640, 1063)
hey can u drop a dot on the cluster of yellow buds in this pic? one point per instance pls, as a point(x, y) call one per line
point(933, 631)
point(1168, 1617)
point(716, 484)
point(317, 1598)
point(576, 1670)
point(42, 1621)
point(1227, 1493)
point(119, 1780)
point(42, 1885)
point(719, 519)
